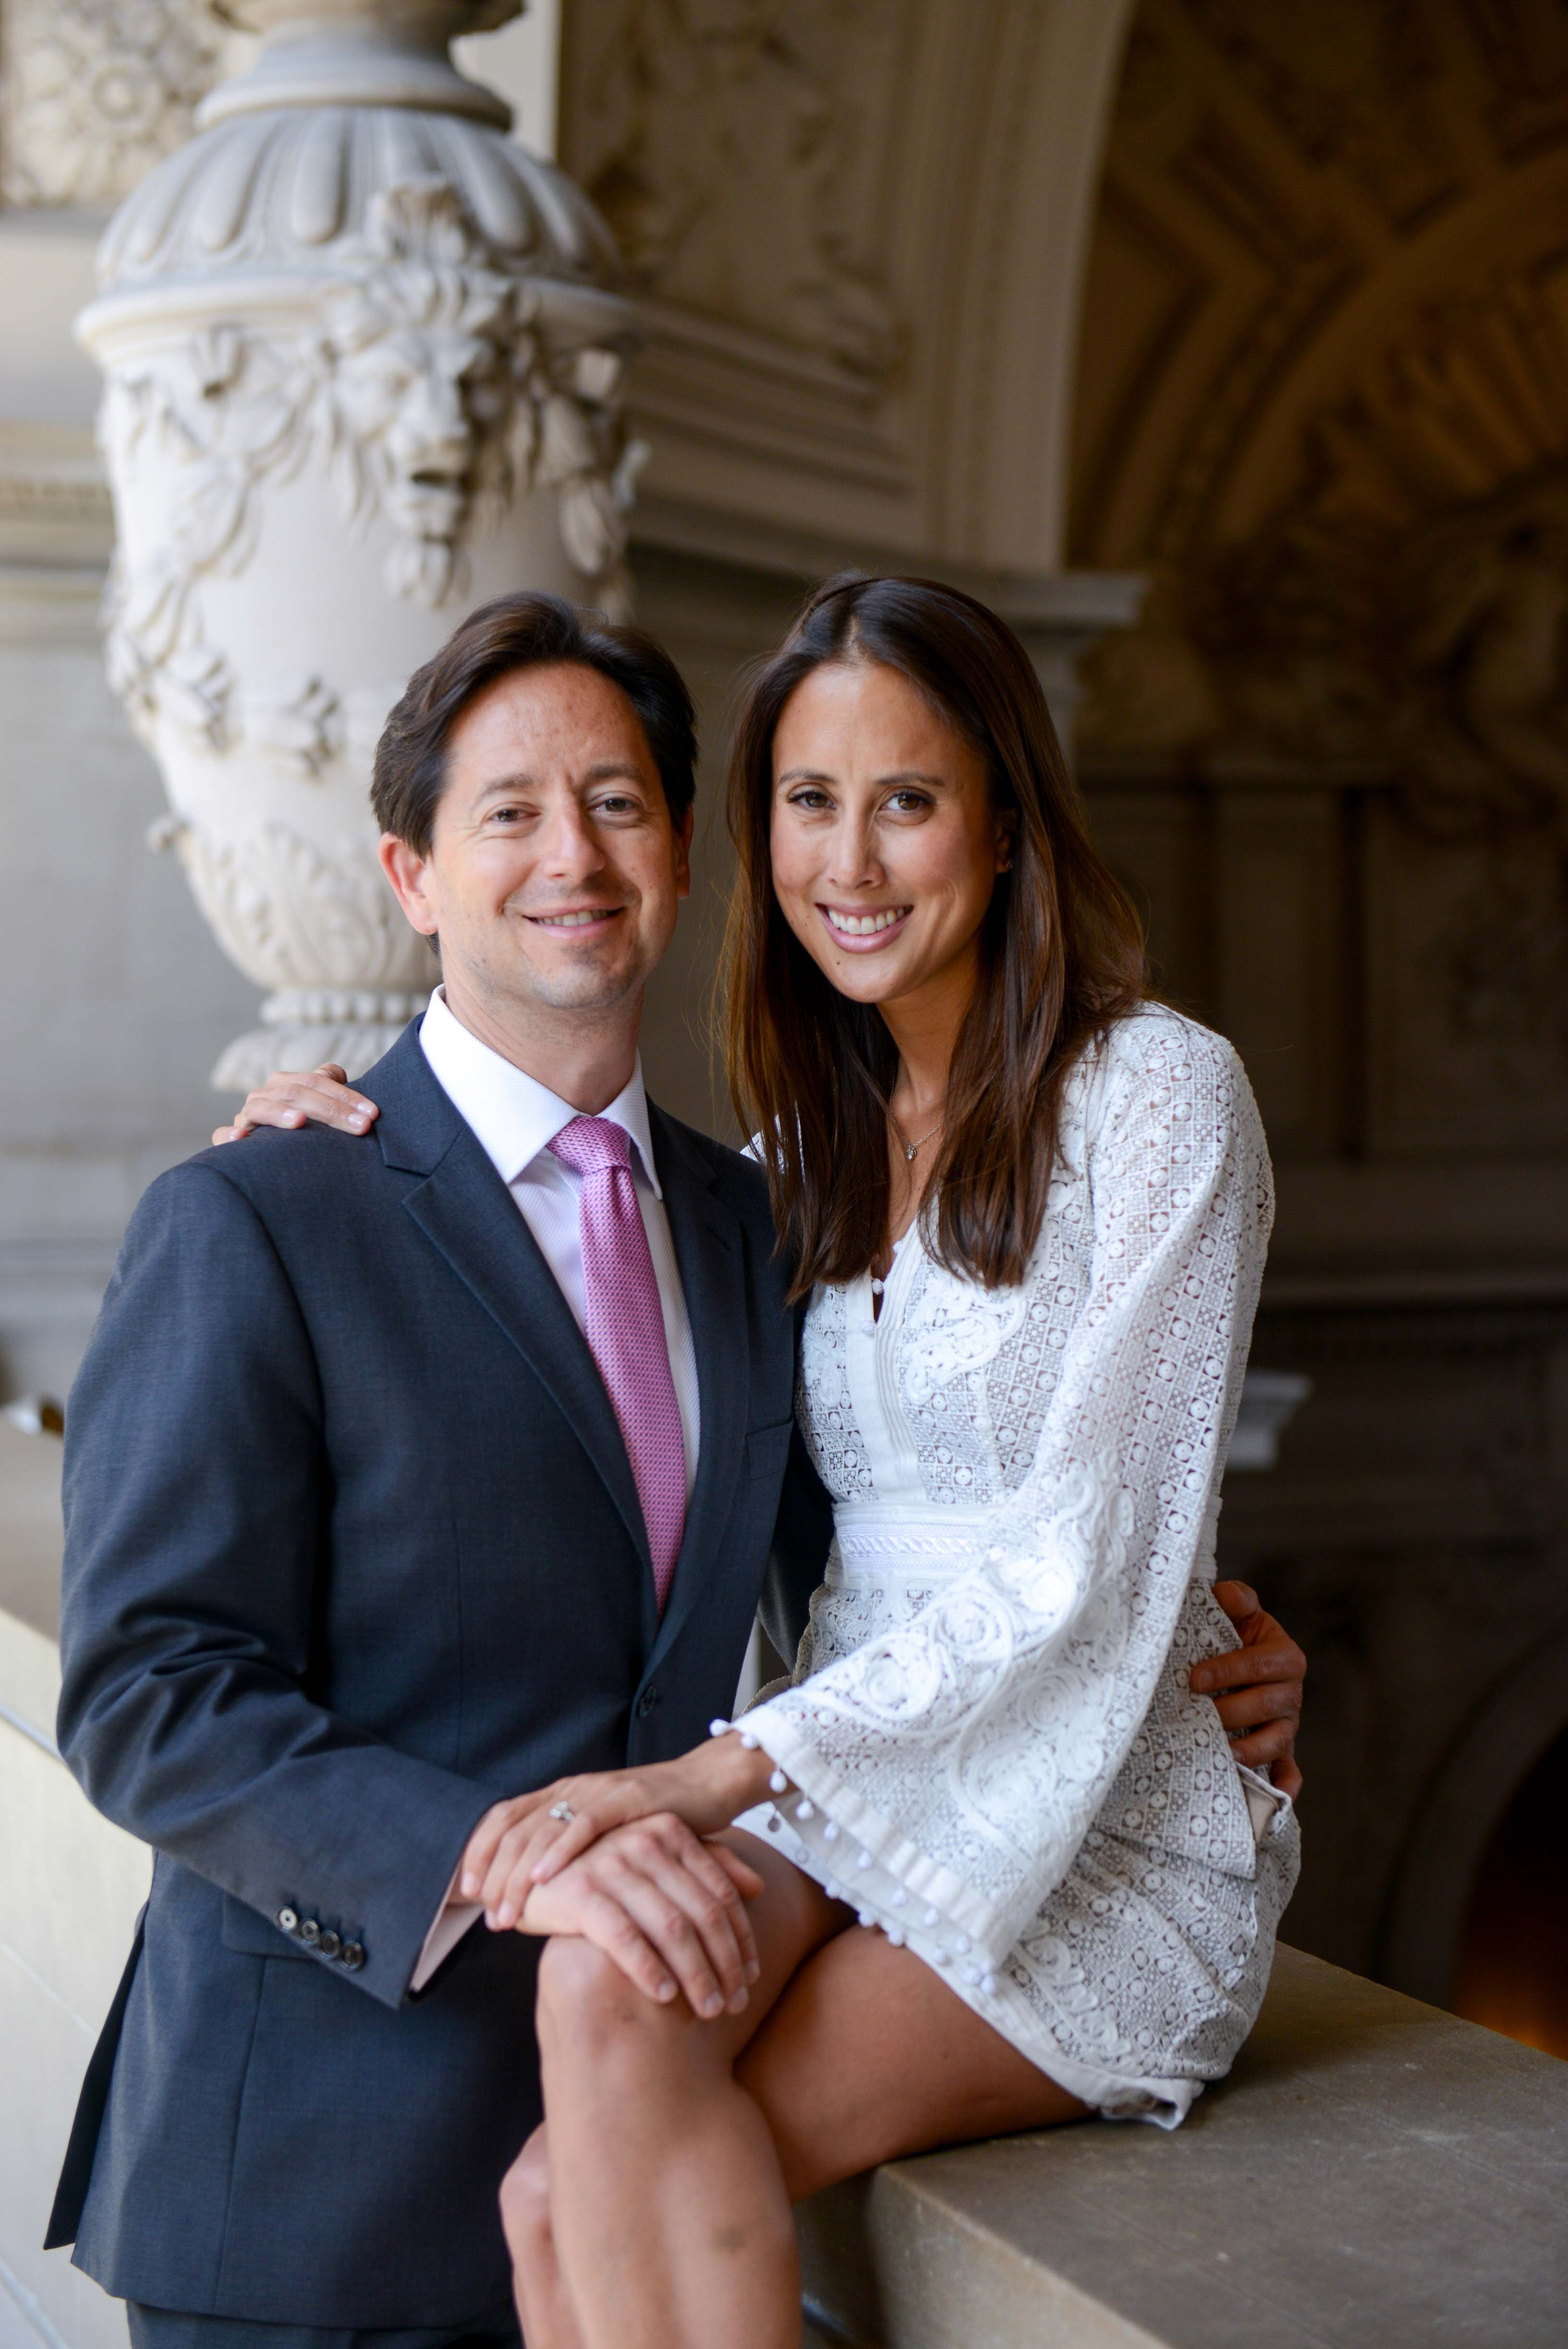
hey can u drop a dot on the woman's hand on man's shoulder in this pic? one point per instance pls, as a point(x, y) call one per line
point(294, 1097)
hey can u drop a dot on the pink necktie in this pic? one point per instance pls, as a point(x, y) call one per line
point(624, 1330)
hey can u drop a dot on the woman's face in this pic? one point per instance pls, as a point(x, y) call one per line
point(885, 843)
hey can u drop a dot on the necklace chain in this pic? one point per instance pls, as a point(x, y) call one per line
point(905, 1144)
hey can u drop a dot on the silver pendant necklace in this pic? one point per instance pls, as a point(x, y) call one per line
point(909, 1149)
point(905, 1144)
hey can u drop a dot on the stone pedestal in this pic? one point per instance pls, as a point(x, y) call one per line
point(362, 357)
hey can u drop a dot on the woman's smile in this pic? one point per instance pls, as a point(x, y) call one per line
point(862, 929)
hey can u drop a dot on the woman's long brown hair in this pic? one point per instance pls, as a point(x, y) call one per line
point(1061, 956)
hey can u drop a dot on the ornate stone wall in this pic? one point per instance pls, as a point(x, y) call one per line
point(857, 228)
point(93, 93)
point(1324, 398)
point(1324, 401)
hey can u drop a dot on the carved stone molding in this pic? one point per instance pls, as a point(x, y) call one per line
point(54, 499)
point(363, 361)
point(93, 93)
point(857, 227)
point(1323, 399)
point(719, 143)
point(1360, 96)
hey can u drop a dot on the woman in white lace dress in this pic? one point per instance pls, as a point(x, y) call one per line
point(1029, 1210)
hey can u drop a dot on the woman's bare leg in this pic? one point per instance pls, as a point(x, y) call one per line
point(543, 2311)
point(668, 2211)
point(831, 2067)
point(676, 2147)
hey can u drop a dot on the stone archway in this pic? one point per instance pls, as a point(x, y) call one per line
point(1323, 403)
point(1322, 399)
point(1504, 1739)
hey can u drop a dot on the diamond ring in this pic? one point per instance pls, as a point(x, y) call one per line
point(564, 1812)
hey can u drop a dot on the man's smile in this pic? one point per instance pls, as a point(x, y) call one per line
point(582, 919)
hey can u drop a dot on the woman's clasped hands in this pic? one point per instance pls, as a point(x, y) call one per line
point(628, 1860)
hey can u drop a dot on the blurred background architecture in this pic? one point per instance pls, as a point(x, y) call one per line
point(1223, 345)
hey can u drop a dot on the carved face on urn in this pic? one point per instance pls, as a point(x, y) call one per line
point(427, 350)
point(425, 396)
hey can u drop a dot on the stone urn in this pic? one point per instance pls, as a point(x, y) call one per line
point(362, 356)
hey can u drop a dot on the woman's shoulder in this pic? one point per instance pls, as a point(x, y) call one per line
point(1155, 1058)
point(1155, 1041)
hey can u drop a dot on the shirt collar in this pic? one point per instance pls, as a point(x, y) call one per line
point(512, 1115)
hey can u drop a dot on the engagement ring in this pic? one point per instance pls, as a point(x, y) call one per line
point(564, 1812)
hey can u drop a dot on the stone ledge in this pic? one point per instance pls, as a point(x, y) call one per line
point(31, 1534)
point(1374, 2171)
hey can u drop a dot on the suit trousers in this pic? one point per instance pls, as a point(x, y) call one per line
point(172, 2328)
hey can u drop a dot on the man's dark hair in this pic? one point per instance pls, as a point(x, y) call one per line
point(520, 632)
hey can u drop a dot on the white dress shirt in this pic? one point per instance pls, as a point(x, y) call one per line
point(514, 1118)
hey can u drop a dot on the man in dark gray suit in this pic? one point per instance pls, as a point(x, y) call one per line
point(358, 1546)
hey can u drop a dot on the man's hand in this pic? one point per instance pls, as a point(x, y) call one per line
point(667, 1908)
point(1257, 1688)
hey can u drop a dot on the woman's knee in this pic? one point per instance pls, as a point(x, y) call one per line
point(526, 2198)
point(592, 2020)
point(581, 1990)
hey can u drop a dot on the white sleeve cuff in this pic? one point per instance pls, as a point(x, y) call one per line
point(847, 1871)
point(453, 1921)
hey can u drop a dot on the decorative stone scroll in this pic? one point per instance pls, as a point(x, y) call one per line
point(363, 358)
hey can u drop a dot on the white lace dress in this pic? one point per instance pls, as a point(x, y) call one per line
point(999, 1759)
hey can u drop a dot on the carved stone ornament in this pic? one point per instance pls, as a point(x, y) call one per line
point(94, 93)
point(362, 357)
point(720, 140)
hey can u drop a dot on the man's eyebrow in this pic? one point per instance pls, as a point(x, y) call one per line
point(520, 782)
point(903, 775)
point(600, 772)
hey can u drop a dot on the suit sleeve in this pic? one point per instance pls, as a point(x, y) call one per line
point(198, 1500)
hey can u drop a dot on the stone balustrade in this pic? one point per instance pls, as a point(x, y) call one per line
point(1374, 2171)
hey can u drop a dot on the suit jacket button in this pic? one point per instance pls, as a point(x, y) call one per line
point(645, 1703)
point(288, 1921)
point(309, 1932)
point(353, 1956)
point(329, 1944)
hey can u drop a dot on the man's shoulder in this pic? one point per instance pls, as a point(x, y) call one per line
point(270, 1165)
point(273, 1167)
point(262, 1195)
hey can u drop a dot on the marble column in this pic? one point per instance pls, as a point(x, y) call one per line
point(362, 358)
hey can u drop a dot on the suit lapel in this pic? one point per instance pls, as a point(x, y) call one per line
point(466, 1212)
point(709, 1252)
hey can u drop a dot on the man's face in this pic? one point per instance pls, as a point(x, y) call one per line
point(553, 871)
